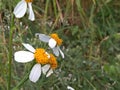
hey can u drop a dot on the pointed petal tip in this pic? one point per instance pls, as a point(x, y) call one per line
point(49, 73)
point(70, 88)
point(31, 13)
point(62, 54)
point(28, 47)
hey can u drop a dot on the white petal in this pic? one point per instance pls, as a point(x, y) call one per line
point(20, 9)
point(62, 54)
point(43, 37)
point(49, 73)
point(52, 43)
point(35, 73)
point(70, 88)
point(56, 51)
point(31, 13)
point(45, 68)
point(28, 47)
point(23, 56)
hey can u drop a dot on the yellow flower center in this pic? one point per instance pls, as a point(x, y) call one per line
point(29, 1)
point(56, 38)
point(41, 56)
point(53, 61)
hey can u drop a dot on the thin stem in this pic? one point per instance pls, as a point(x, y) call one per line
point(46, 9)
point(59, 9)
point(94, 88)
point(56, 20)
point(21, 82)
point(54, 7)
point(45, 15)
point(10, 51)
point(25, 78)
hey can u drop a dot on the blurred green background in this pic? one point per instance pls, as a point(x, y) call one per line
point(90, 30)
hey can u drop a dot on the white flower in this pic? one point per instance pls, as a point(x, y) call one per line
point(27, 56)
point(22, 7)
point(53, 41)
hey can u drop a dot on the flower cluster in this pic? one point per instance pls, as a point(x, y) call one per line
point(45, 62)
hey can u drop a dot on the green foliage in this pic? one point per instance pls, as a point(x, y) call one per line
point(91, 43)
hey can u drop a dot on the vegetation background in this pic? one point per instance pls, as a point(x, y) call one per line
point(90, 30)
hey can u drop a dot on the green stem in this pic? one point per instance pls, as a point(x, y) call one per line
point(45, 15)
point(25, 78)
point(54, 7)
point(21, 82)
point(10, 51)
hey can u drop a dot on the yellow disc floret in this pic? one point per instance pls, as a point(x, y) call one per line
point(29, 1)
point(41, 56)
point(52, 61)
point(56, 38)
